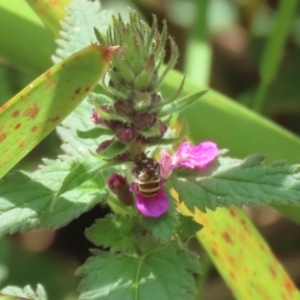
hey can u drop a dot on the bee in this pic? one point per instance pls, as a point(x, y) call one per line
point(146, 173)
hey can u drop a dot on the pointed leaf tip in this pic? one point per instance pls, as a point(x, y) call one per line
point(108, 52)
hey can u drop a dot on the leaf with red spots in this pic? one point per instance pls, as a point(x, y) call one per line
point(50, 12)
point(33, 113)
point(242, 256)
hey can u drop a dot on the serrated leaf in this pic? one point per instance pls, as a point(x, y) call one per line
point(114, 149)
point(93, 133)
point(29, 200)
point(180, 104)
point(240, 182)
point(188, 228)
point(73, 146)
point(115, 232)
point(75, 36)
point(26, 293)
point(177, 93)
point(172, 62)
point(164, 274)
point(163, 227)
point(50, 12)
point(34, 112)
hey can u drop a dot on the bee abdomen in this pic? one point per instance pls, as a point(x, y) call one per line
point(149, 188)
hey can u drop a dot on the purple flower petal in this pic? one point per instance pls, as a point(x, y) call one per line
point(153, 206)
point(188, 156)
point(196, 156)
point(166, 163)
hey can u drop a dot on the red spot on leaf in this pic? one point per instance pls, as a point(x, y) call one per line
point(21, 145)
point(54, 119)
point(232, 275)
point(245, 226)
point(230, 259)
point(262, 246)
point(50, 84)
point(227, 237)
point(289, 286)
point(3, 107)
point(32, 111)
point(2, 137)
point(34, 128)
point(15, 113)
point(77, 91)
point(48, 73)
point(87, 89)
point(214, 252)
point(273, 272)
point(232, 212)
point(63, 65)
point(17, 126)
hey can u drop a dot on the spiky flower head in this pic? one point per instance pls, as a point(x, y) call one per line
point(133, 102)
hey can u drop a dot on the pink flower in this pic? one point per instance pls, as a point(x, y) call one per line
point(188, 156)
point(153, 206)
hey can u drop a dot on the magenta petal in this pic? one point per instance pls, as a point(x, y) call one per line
point(197, 156)
point(166, 163)
point(152, 206)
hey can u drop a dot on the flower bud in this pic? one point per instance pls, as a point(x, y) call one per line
point(96, 117)
point(124, 107)
point(126, 135)
point(119, 186)
point(103, 146)
point(144, 120)
point(162, 130)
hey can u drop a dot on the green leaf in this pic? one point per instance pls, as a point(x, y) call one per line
point(163, 227)
point(78, 149)
point(177, 93)
point(75, 36)
point(239, 252)
point(50, 12)
point(29, 201)
point(115, 232)
point(33, 113)
point(94, 133)
point(180, 104)
point(240, 182)
point(114, 149)
point(164, 274)
point(26, 32)
point(111, 115)
point(18, 293)
point(188, 228)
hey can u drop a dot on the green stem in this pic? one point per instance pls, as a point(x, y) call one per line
point(198, 54)
point(274, 50)
point(202, 279)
